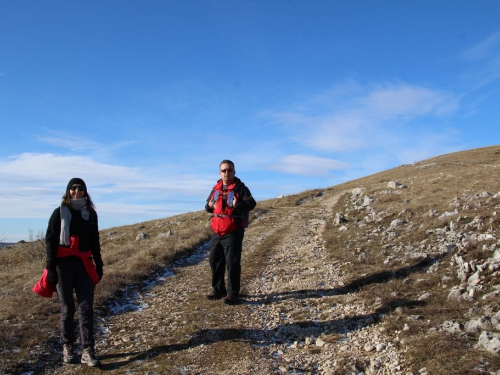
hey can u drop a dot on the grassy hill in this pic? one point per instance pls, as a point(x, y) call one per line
point(417, 246)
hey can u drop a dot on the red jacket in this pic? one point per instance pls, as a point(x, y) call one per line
point(226, 217)
point(46, 289)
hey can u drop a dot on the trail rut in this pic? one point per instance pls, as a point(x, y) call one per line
point(295, 317)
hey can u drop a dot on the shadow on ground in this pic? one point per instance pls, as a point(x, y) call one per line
point(265, 337)
point(259, 337)
point(376, 278)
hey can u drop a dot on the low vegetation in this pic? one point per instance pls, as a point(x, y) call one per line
point(391, 254)
point(392, 268)
point(127, 260)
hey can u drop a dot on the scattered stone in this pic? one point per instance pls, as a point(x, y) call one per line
point(357, 192)
point(489, 341)
point(298, 309)
point(142, 236)
point(396, 223)
point(396, 185)
point(424, 296)
point(451, 327)
point(369, 348)
point(339, 218)
point(320, 343)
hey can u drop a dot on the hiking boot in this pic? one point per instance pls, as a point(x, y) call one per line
point(89, 357)
point(68, 353)
point(231, 300)
point(214, 296)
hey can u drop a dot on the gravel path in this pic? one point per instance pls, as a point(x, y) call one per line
point(295, 318)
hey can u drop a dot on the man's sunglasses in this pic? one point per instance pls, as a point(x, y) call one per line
point(227, 170)
point(79, 187)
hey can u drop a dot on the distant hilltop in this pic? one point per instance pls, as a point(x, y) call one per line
point(5, 244)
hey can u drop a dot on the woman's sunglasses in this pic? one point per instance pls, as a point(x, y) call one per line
point(79, 187)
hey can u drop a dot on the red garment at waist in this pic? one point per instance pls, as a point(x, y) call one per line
point(46, 289)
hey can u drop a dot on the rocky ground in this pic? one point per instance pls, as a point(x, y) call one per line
point(394, 273)
point(295, 317)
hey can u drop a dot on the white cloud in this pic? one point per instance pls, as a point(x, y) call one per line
point(363, 119)
point(79, 142)
point(406, 102)
point(307, 165)
point(71, 142)
point(484, 63)
point(483, 49)
point(33, 184)
point(54, 170)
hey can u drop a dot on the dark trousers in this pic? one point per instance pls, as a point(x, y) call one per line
point(225, 251)
point(73, 276)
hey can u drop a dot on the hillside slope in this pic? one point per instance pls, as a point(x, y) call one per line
point(394, 273)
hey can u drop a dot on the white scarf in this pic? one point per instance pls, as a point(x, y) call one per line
point(76, 204)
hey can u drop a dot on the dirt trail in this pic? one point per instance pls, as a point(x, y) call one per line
point(293, 319)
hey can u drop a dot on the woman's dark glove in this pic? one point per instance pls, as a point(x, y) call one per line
point(52, 275)
point(99, 272)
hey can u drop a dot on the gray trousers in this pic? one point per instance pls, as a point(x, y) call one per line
point(73, 276)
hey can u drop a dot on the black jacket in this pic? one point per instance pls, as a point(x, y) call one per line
point(86, 230)
point(245, 202)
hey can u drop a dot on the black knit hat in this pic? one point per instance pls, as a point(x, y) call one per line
point(77, 181)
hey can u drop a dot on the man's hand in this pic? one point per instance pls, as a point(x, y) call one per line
point(212, 205)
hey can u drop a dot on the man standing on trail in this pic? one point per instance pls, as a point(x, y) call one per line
point(229, 202)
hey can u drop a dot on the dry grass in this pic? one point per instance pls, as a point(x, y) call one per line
point(127, 261)
point(379, 268)
point(384, 274)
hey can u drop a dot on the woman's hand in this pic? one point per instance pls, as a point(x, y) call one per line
point(52, 275)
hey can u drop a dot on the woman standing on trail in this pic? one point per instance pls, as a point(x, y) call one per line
point(74, 263)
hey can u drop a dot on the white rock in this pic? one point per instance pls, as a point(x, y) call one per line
point(357, 192)
point(471, 326)
point(367, 201)
point(451, 326)
point(397, 223)
point(320, 343)
point(475, 278)
point(141, 236)
point(490, 341)
point(456, 293)
point(424, 296)
point(485, 323)
point(396, 185)
point(369, 348)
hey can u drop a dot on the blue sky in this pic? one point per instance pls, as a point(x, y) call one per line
point(143, 99)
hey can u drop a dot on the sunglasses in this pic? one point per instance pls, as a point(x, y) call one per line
point(227, 170)
point(79, 187)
